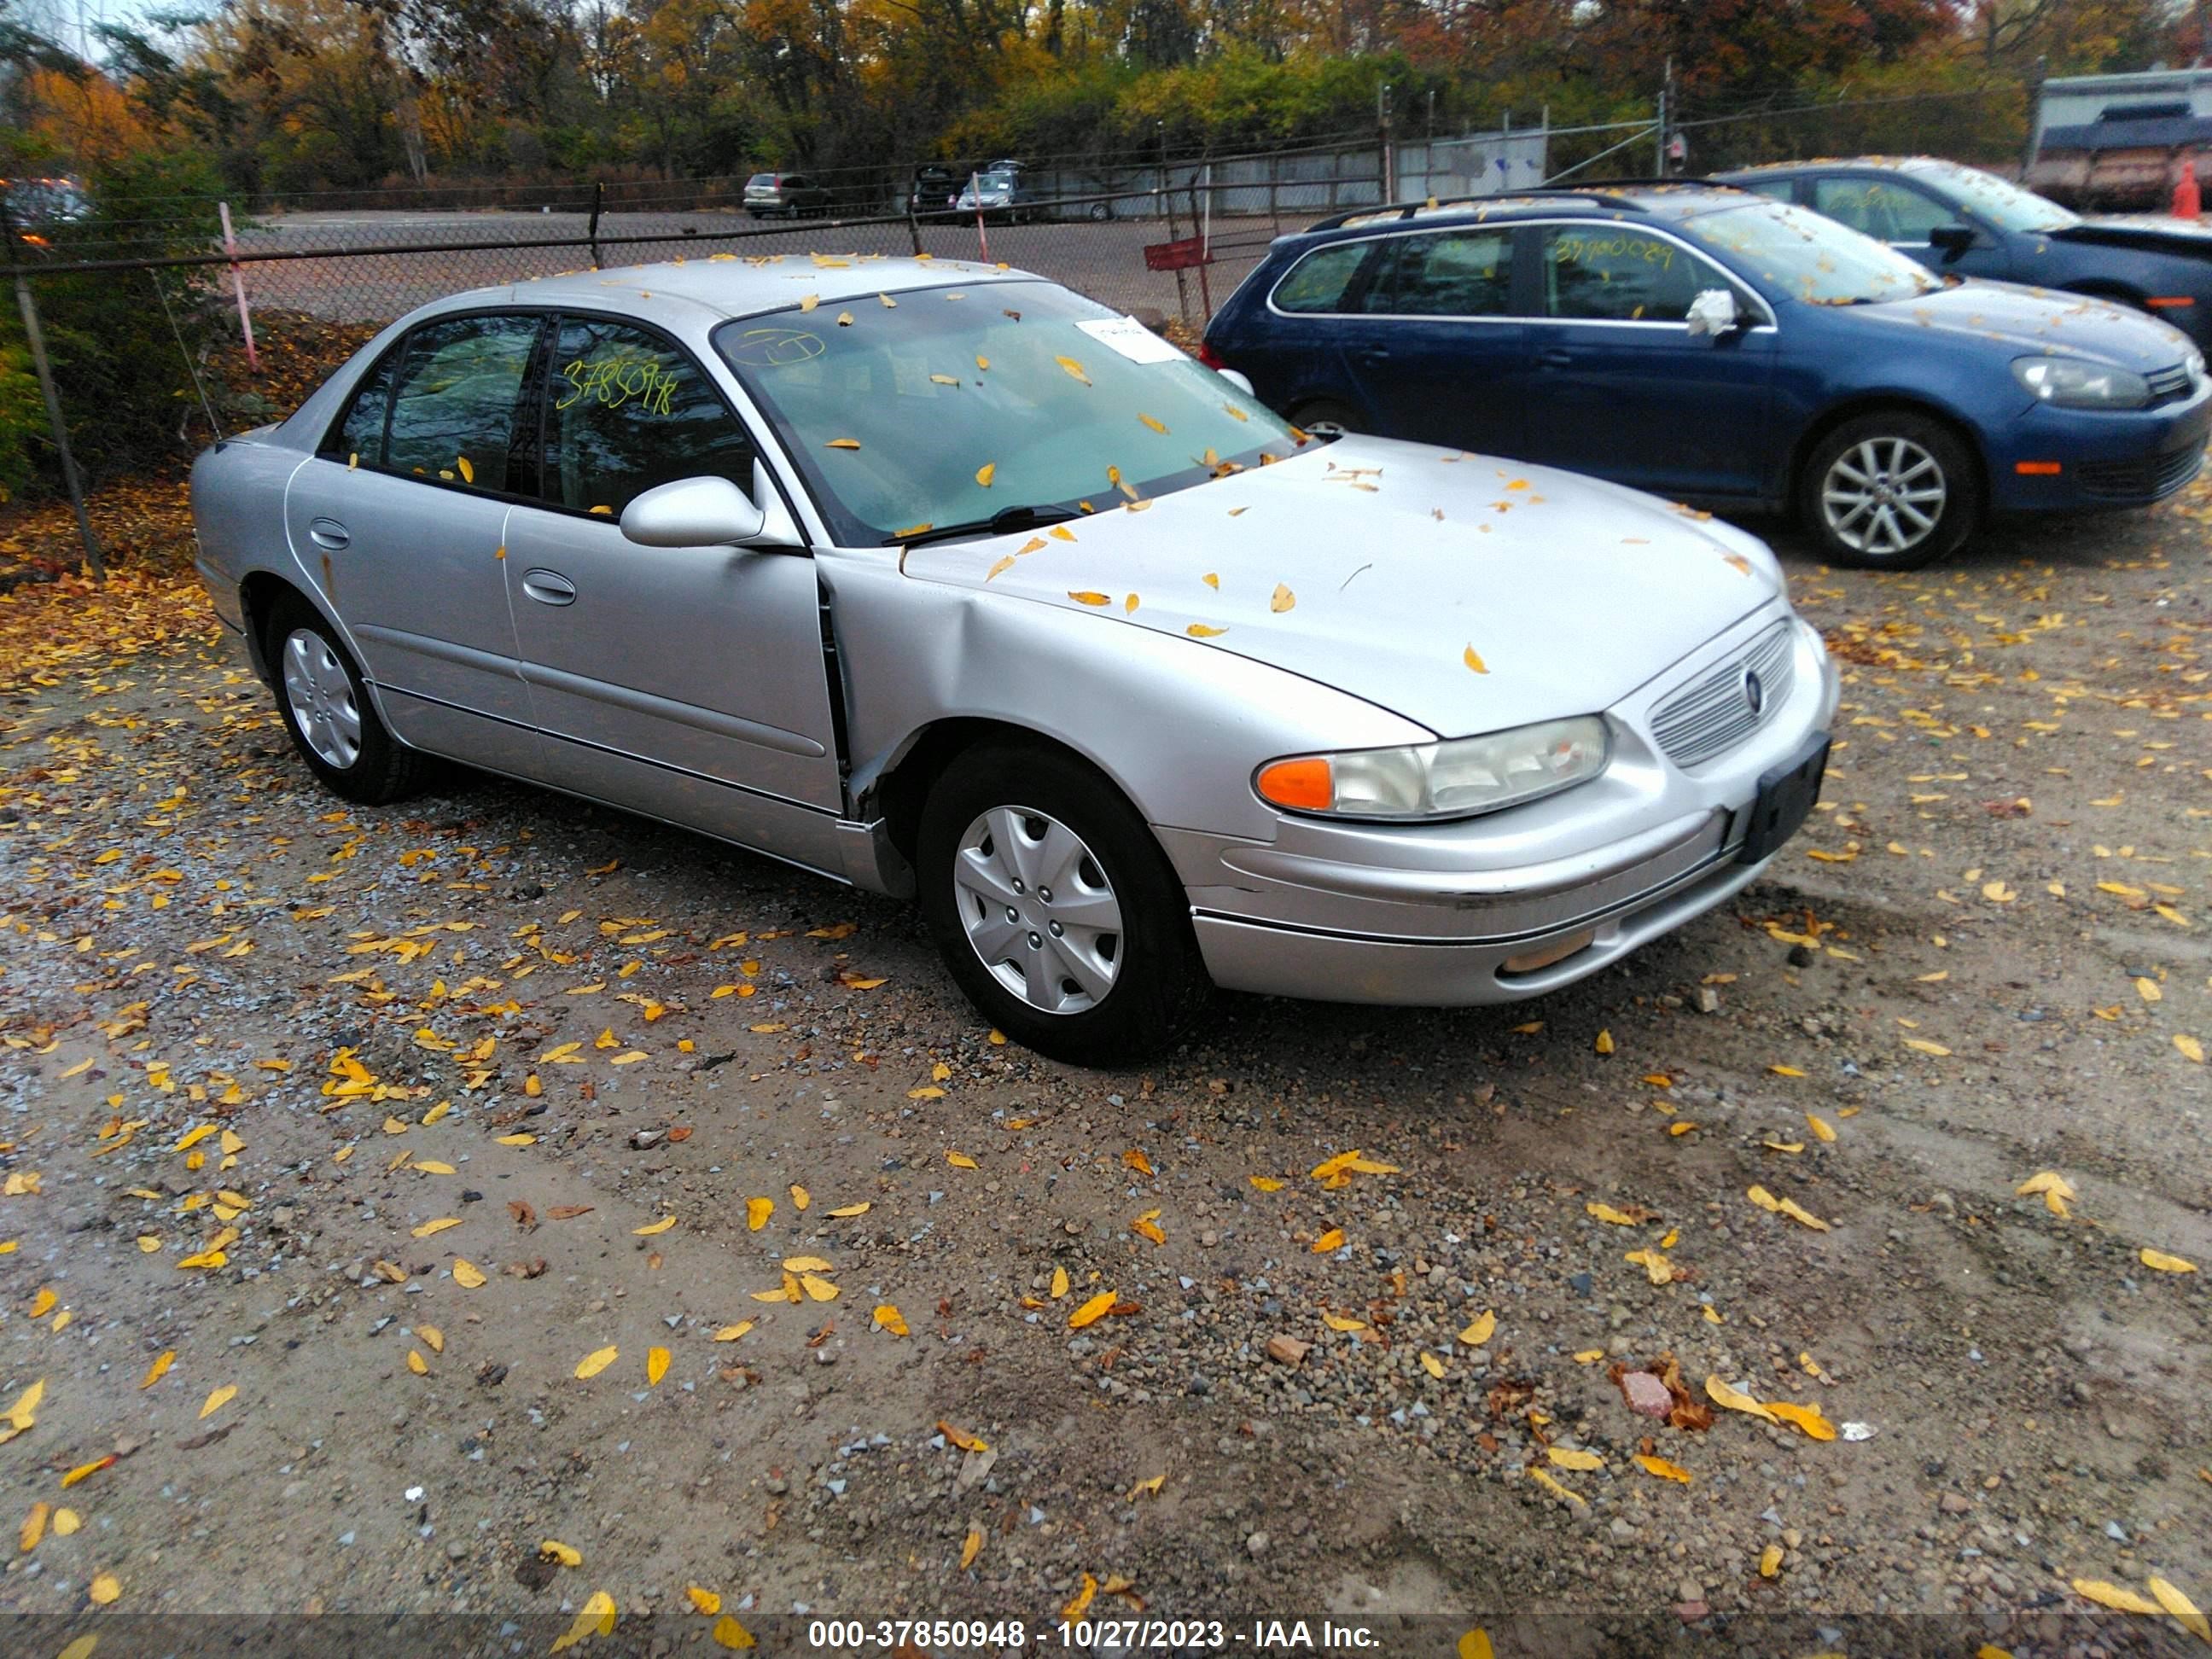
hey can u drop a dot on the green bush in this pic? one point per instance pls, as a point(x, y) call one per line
point(122, 360)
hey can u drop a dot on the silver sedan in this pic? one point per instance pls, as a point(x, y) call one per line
point(943, 582)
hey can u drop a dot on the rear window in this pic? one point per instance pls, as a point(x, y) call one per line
point(1318, 282)
point(765, 181)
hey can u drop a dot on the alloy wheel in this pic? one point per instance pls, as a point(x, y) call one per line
point(1038, 909)
point(1883, 496)
point(320, 694)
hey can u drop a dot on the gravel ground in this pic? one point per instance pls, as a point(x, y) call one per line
point(341, 1145)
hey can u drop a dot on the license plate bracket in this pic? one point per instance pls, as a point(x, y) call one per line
point(1784, 801)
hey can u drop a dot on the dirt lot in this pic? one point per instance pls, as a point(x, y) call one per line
point(390, 1192)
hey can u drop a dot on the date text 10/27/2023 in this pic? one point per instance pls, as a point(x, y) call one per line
point(1087, 1635)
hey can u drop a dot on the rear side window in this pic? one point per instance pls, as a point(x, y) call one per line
point(453, 399)
point(358, 439)
point(1615, 273)
point(1887, 212)
point(1781, 190)
point(628, 410)
point(1319, 281)
point(1460, 273)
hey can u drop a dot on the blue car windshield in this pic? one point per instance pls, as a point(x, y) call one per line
point(1999, 201)
point(1807, 257)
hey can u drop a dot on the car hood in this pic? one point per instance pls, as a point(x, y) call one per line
point(2152, 232)
point(1462, 591)
point(2031, 319)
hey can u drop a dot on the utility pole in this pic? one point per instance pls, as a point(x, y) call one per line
point(2035, 79)
point(1666, 97)
point(1389, 167)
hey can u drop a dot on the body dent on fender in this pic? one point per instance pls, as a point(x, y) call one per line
point(917, 653)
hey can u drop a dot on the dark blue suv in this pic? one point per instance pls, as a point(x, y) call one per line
point(1713, 344)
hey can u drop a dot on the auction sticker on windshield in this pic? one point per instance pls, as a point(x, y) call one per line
point(1131, 338)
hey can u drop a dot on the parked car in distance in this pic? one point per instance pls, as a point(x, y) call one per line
point(1000, 192)
point(934, 187)
point(1715, 345)
point(785, 195)
point(995, 597)
point(34, 202)
point(1961, 221)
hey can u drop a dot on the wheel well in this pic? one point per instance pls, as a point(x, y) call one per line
point(2096, 290)
point(1832, 419)
point(899, 793)
point(258, 596)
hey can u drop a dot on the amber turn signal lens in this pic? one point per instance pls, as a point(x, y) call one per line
point(1305, 785)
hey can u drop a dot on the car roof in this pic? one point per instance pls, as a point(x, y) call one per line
point(1883, 163)
point(1664, 199)
point(737, 285)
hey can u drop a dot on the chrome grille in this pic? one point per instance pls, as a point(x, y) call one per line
point(1711, 714)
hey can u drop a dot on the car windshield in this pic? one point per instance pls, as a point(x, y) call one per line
point(1807, 257)
point(765, 181)
point(951, 404)
point(1999, 201)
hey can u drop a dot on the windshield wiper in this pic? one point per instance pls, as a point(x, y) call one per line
point(1005, 520)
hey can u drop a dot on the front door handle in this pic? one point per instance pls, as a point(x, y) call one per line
point(328, 533)
point(1556, 357)
point(548, 587)
point(1376, 355)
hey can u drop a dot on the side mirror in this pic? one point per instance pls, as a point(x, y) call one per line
point(1714, 312)
point(693, 512)
point(1953, 240)
point(1236, 377)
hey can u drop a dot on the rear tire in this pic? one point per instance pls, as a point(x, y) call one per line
point(1890, 490)
point(1325, 417)
point(1054, 907)
point(327, 711)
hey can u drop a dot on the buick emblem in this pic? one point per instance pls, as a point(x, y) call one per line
point(1755, 692)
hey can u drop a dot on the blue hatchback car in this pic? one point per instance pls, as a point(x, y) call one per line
point(1715, 345)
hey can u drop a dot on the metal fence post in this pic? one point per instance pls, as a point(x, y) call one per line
point(238, 284)
point(592, 233)
point(912, 225)
point(95, 560)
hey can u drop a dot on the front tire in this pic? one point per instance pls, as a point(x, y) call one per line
point(327, 711)
point(1326, 418)
point(1892, 490)
point(1054, 905)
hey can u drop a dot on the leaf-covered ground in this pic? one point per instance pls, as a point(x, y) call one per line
point(479, 1204)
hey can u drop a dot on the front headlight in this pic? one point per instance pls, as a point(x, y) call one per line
point(2071, 384)
point(1456, 779)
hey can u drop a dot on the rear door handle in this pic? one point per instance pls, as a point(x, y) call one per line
point(1556, 357)
point(548, 587)
point(328, 533)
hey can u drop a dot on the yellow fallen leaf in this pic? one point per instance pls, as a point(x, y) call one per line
point(1147, 1227)
point(1087, 597)
point(801, 1198)
point(1472, 658)
point(1059, 1283)
point(1475, 1645)
point(703, 1600)
point(2160, 1261)
point(1785, 1071)
point(516, 1139)
point(1822, 1131)
point(416, 1363)
point(1566, 1457)
point(729, 1633)
point(1266, 1183)
point(757, 1210)
point(1604, 1043)
point(596, 1361)
point(842, 443)
point(1432, 1366)
point(468, 1275)
point(1770, 1561)
point(1806, 1417)
point(971, 1547)
point(104, 1589)
point(846, 1212)
point(653, 1227)
point(1606, 1212)
point(960, 1161)
point(438, 1226)
point(595, 1618)
point(1201, 631)
point(1922, 1046)
point(889, 1318)
point(2168, 1597)
point(1477, 1333)
point(159, 1369)
point(218, 1400)
point(66, 1522)
point(962, 1438)
point(1091, 1311)
point(1080, 1602)
point(1331, 1240)
point(732, 1333)
point(2112, 1597)
point(2189, 1047)
point(1720, 1393)
point(32, 1530)
point(817, 1288)
point(432, 1337)
point(2058, 1192)
point(807, 1264)
point(568, 1555)
point(1556, 1489)
point(1662, 1469)
point(1282, 599)
point(656, 1366)
point(1339, 1322)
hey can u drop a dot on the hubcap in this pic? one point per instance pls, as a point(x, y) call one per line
point(1038, 909)
point(320, 694)
point(1884, 495)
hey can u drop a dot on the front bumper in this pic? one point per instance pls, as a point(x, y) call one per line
point(2105, 458)
point(1439, 915)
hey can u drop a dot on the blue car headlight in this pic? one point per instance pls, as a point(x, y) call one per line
point(2070, 383)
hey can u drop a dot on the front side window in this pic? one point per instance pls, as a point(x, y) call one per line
point(1807, 256)
point(626, 411)
point(1318, 282)
point(1616, 273)
point(956, 403)
point(1882, 208)
point(2002, 202)
point(1459, 273)
point(454, 398)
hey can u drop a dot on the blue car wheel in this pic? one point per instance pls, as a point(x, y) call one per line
point(1891, 490)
